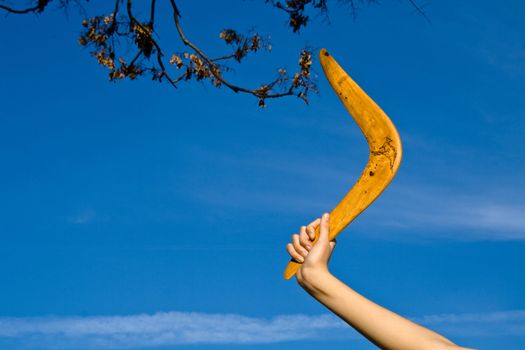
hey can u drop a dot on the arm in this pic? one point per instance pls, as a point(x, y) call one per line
point(382, 327)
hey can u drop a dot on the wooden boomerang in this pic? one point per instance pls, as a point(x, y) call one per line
point(385, 151)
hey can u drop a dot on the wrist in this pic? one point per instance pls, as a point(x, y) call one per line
point(312, 279)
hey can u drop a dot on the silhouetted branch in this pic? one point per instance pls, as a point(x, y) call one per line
point(264, 91)
point(104, 33)
point(296, 9)
point(39, 6)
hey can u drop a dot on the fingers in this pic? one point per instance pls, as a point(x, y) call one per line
point(314, 223)
point(332, 243)
point(304, 238)
point(310, 229)
point(298, 247)
point(302, 243)
point(293, 253)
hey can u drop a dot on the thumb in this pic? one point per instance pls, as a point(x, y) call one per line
point(324, 228)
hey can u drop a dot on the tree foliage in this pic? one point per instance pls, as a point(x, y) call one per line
point(110, 36)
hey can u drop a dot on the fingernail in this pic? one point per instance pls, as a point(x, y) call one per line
point(309, 247)
point(300, 259)
point(326, 215)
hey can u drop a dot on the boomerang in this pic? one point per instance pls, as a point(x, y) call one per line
point(383, 141)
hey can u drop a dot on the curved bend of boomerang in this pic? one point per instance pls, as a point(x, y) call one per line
point(383, 141)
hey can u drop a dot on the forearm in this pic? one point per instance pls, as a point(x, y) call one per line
point(384, 328)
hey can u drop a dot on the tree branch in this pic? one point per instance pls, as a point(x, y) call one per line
point(152, 13)
point(147, 32)
point(37, 8)
point(262, 92)
point(103, 34)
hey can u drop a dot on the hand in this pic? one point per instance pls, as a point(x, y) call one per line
point(313, 256)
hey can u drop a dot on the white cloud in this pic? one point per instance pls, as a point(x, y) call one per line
point(269, 181)
point(165, 329)
point(184, 328)
point(500, 323)
point(433, 212)
point(481, 216)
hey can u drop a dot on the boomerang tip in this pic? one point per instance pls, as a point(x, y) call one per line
point(291, 269)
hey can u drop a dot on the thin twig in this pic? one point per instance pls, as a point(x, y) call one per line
point(146, 31)
point(152, 13)
point(37, 8)
point(420, 11)
point(213, 66)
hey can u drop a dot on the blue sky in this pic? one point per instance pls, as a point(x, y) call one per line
point(138, 216)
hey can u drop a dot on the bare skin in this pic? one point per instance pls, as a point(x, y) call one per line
point(382, 327)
